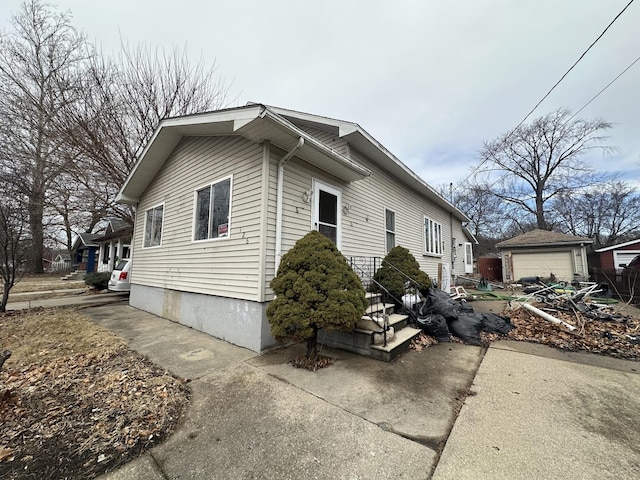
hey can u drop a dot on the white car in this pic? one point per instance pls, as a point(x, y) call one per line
point(120, 280)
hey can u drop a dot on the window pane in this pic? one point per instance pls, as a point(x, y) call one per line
point(147, 228)
point(391, 241)
point(328, 208)
point(157, 226)
point(427, 235)
point(329, 232)
point(390, 220)
point(220, 210)
point(202, 213)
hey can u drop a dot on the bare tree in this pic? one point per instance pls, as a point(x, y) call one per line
point(125, 99)
point(608, 213)
point(484, 209)
point(13, 243)
point(542, 160)
point(76, 202)
point(40, 66)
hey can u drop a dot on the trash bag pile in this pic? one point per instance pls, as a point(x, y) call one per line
point(441, 317)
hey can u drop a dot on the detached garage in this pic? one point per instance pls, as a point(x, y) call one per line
point(543, 254)
point(615, 258)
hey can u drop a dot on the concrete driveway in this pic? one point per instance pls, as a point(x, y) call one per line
point(533, 412)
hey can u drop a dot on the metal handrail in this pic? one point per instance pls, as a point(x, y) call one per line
point(366, 271)
point(385, 321)
point(416, 287)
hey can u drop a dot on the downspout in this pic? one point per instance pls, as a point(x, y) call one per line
point(279, 199)
point(452, 271)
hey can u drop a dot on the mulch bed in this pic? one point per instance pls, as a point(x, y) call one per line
point(78, 416)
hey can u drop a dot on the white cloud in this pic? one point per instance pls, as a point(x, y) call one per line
point(430, 80)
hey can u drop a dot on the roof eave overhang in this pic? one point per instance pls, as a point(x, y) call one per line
point(536, 245)
point(255, 123)
point(615, 247)
point(365, 143)
point(362, 141)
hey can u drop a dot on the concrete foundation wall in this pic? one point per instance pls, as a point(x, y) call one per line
point(241, 322)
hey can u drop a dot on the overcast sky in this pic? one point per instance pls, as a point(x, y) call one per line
point(431, 80)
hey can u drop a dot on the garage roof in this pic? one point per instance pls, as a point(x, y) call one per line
point(543, 238)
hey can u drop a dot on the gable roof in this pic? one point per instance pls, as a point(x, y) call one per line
point(86, 239)
point(620, 245)
point(258, 122)
point(543, 238)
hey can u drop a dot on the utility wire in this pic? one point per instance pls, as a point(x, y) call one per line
point(558, 83)
point(607, 86)
point(574, 64)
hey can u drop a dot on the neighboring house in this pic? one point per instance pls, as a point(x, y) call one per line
point(100, 252)
point(615, 258)
point(540, 253)
point(84, 252)
point(62, 261)
point(221, 196)
point(114, 244)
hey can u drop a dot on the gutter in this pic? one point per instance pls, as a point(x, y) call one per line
point(279, 199)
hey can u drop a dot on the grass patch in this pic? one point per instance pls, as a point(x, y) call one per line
point(40, 335)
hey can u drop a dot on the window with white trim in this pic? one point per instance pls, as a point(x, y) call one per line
point(390, 228)
point(213, 204)
point(153, 226)
point(432, 237)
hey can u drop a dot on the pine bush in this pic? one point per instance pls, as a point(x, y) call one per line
point(395, 282)
point(315, 288)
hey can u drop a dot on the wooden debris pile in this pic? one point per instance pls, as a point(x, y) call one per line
point(78, 416)
point(617, 338)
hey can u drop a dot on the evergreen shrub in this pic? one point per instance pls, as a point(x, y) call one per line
point(395, 282)
point(97, 280)
point(315, 288)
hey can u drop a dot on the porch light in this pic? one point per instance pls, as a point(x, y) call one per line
point(306, 196)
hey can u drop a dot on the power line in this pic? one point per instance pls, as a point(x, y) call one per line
point(558, 83)
point(574, 64)
point(607, 86)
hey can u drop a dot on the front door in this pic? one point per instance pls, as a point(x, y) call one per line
point(327, 215)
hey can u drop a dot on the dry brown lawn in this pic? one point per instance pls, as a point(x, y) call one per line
point(35, 283)
point(75, 402)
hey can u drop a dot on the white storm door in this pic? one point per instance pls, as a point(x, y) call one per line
point(327, 213)
point(468, 257)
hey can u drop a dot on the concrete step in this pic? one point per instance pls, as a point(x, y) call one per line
point(399, 345)
point(380, 307)
point(396, 320)
point(356, 341)
point(372, 297)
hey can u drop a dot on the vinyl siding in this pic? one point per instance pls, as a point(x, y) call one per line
point(330, 139)
point(225, 267)
point(363, 227)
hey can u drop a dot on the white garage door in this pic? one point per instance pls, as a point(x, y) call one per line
point(543, 265)
point(623, 258)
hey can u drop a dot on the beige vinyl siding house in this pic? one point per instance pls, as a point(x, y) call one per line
point(256, 179)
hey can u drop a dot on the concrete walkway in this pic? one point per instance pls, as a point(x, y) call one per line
point(257, 417)
point(79, 297)
point(534, 412)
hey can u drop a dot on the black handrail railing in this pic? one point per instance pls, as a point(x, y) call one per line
point(365, 268)
point(415, 286)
